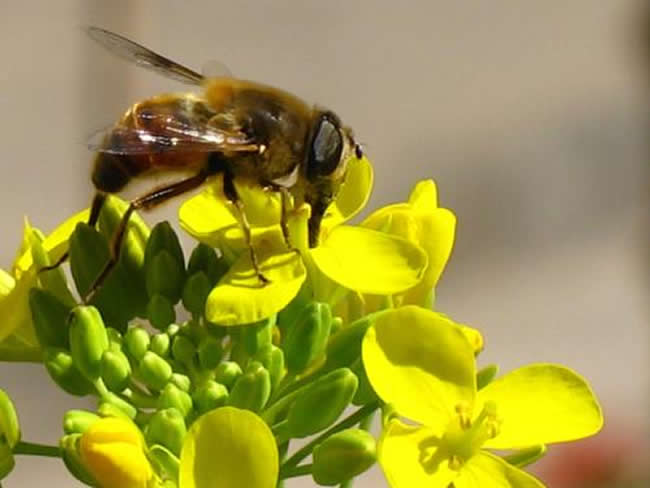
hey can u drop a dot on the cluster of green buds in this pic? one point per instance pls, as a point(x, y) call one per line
point(205, 377)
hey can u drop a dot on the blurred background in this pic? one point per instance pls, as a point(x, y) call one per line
point(530, 116)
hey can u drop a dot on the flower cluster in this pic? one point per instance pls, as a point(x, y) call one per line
point(205, 377)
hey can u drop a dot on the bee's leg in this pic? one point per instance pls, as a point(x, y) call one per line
point(145, 202)
point(231, 194)
point(96, 207)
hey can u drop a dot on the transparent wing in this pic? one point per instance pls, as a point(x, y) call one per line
point(165, 133)
point(141, 56)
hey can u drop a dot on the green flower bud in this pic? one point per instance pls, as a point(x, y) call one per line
point(252, 390)
point(163, 238)
point(204, 259)
point(88, 340)
point(344, 348)
point(160, 344)
point(116, 299)
point(485, 375)
point(165, 463)
point(321, 403)
point(337, 325)
point(227, 373)
point(69, 445)
point(181, 381)
point(114, 339)
point(110, 409)
point(50, 318)
point(307, 337)
point(209, 396)
point(167, 428)
point(165, 277)
point(272, 358)
point(136, 342)
point(164, 263)
point(195, 293)
point(210, 352)
point(77, 421)
point(7, 461)
point(160, 311)
point(62, 370)
point(154, 371)
point(183, 349)
point(116, 370)
point(343, 456)
point(257, 336)
point(9, 426)
point(365, 393)
point(173, 397)
point(120, 404)
point(172, 330)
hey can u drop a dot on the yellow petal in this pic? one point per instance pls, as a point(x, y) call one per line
point(15, 312)
point(112, 449)
point(485, 470)
point(541, 404)
point(370, 262)
point(55, 243)
point(353, 195)
point(6, 283)
point(424, 196)
point(420, 362)
point(435, 234)
point(240, 297)
point(227, 448)
point(407, 455)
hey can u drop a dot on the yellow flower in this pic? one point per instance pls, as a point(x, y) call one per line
point(17, 336)
point(422, 364)
point(356, 258)
point(421, 222)
point(229, 447)
point(113, 452)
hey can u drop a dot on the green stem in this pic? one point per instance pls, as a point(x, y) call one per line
point(34, 449)
point(299, 471)
point(306, 450)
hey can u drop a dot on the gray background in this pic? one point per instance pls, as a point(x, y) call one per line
point(529, 115)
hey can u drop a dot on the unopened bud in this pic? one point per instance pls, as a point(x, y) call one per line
point(343, 456)
point(307, 337)
point(164, 263)
point(209, 396)
point(227, 373)
point(195, 293)
point(9, 426)
point(69, 445)
point(160, 311)
point(167, 428)
point(88, 340)
point(62, 370)
point(182, 381)
point(50, 318)
point(136, 342)
point(154, 371)
point(321, 403)
point(113, 451)
point(78, 421)
point(160, 344)
point(173, 397)
point(344, 348)
point(116, 370)
point(183, 349)
point(252, 390)
point(204, 259)
point(257, 336)
point(210, 352)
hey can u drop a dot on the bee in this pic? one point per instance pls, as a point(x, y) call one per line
point(242, 130)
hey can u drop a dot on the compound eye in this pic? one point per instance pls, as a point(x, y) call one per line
point(326, 148)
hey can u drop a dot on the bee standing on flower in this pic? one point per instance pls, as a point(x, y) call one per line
point(242, 130)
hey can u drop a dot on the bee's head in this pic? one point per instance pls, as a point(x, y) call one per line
point(329, 148)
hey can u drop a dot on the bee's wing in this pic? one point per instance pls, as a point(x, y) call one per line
point(141, 56)
point(169, 134)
